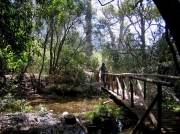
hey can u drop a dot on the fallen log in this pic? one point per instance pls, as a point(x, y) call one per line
point(82, 126)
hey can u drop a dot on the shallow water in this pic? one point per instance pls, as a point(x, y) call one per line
point(78, 105)
point(69, 104)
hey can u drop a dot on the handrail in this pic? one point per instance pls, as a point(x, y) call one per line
point(170, 84)
point(124, 80)
point(152, 75)
point(160, 76)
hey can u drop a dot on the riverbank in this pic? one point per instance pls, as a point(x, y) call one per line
point(34, 123)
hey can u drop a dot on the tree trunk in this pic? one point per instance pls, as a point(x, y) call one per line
point(89, 28)
point(111, 36)
point(170, 10)
point(42, 66)
point(51, 49)
point(143, 45)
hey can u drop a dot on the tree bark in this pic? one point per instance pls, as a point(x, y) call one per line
point(89, 28)
point(51, 48)
point(42, 66)
point(173, 52)
point(170, 10)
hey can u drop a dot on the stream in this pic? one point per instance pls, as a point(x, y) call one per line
point(62, 104)
point(74, 105)
point(51, 120)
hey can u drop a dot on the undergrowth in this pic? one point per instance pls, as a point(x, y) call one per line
point(8, 104)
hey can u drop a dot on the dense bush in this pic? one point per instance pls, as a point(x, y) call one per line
point(9, 104)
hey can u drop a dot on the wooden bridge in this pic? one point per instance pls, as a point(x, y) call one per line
point(142, 94)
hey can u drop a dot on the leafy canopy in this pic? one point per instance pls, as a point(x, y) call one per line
point(16, 24)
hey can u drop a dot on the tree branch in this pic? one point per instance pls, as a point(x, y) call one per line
point(173, 51)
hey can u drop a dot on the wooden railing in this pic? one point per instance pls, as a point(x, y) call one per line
point(129, 84)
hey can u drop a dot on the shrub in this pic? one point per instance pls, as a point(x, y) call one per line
point(9, 104)
point(104, 109)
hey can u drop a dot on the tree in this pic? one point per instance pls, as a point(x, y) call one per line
point(88, 27)
point(55, 20)
point(172, 20)
point(16, 24)
point(170, 10)
point(59, 24)
point(15, 33)
point(114, 27)
point(142, 18)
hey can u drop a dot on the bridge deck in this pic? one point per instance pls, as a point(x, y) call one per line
point(170, 120)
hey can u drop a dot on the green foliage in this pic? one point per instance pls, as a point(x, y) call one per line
point(170, 103)
point(34, 54)
point(93, 62)
point(104, 109)
point(116, 61)
point(73, 66)
point(91, 90)
point(15, 33)
point(176, 109)
point(36, 61)
point(60, 8)
point(16, 24)
point(64, 86)
point(75, 61)
point(59, 18)
point(104, 116)
point(14, 61)
point(9, 104)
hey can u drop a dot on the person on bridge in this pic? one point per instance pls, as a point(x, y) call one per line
point(103, 71)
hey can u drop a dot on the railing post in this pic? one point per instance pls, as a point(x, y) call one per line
point(109, 81)
point(97, 76)
point(159, 90)
point(116, 84)
point(144, 90)
point(122, 85)
point(112, 82)
point(105, 79)
point(135, 81)
point(132, 97)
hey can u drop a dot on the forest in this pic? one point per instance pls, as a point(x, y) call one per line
point(56, 47)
